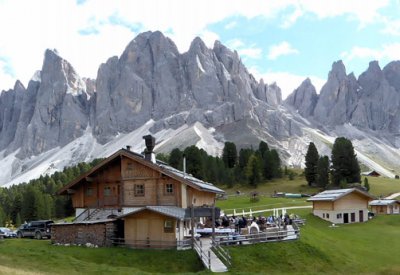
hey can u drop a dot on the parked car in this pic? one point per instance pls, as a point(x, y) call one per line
point(35, 229)
point(7, 233)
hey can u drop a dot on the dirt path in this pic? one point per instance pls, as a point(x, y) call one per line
point(393, 196)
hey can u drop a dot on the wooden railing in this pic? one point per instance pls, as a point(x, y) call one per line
point(268, 236)
point(154, 244)
point(205, 257)
point(222, 254)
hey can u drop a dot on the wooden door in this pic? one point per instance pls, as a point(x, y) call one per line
point(361, 214)
point(346, 218)
point(353, 217)
point(142, 232)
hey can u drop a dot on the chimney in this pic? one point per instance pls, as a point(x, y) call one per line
point(148, 152)
point(128, 147)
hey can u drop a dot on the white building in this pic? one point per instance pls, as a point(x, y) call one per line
point(385, 206)
point(342, 205)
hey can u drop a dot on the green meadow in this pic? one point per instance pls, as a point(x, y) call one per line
point(368, 248)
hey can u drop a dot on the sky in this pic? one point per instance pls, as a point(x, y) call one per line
point(281, 41)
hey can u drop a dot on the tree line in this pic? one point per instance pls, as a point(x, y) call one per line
point(37, 199)
point(244, 166)
point(341, 169)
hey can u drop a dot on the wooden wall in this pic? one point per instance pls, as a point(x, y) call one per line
point(146, 229)
point(199, 198)
point(351, 201)
point(121, 176)
point(154, 186)
point(322, 205)
point(109, 176)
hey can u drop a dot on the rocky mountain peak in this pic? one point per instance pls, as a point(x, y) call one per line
point(338, 70)
point(392, 74)
point(198, 45)
point(19, 86)
point(303, 99)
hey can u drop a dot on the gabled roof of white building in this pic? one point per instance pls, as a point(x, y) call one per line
point(383, 202)
point(333, 195)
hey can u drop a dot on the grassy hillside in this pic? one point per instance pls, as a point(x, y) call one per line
point(368, 248)
point(26, 256)
point(380, 186)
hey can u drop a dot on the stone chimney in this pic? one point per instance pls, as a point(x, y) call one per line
point(148, 152)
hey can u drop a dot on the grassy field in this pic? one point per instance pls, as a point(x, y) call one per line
point(26, 256)
point(368, 248)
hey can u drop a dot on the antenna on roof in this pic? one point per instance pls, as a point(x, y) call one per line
point(184, 166)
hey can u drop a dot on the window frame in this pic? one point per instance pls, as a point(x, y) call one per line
point(169, 189)
point(107, 191)
point(169, 226)
point(139, 190)
point(89, 192)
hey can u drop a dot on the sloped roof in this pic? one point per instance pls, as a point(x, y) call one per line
point(383, 202)
point(333, 195)
point(159, 166)
point(171, 211)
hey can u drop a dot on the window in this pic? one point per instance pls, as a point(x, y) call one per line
point(129, 166)
point(139, 190)
point(353, 217)
point(89, 191)
point(107, 191)
point(339, 216)
point(323, 215)
point(169, 189)
point(327, 215)
point(168, 226)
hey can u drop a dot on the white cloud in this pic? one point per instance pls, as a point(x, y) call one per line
point(388, 51)
point(290, 19)
point(365, 12)
point(231, 25)
point(251, 52)
point(288, 82)
point(245, 51)
point(392, 27)
point(29, 27)
point(283, 48)
point(235, 44)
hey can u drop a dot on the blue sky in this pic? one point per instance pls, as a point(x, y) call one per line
point(283, 41)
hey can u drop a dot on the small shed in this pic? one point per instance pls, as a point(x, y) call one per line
point(341, 205)
point(385, 206)
point(372, 173)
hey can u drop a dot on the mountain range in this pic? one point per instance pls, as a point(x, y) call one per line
point(204, 96)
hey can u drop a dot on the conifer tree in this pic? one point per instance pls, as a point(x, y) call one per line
point(345, 167)
point(229, 154)
point(311, 160)
point(176, 158)
point(366, 184)
point(254, 170)
point(323, 171)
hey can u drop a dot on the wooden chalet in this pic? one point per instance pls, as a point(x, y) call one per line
point(385, 206)
point(342, 205)
point(135, 200)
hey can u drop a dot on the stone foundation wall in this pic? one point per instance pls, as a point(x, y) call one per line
point(100, 234)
